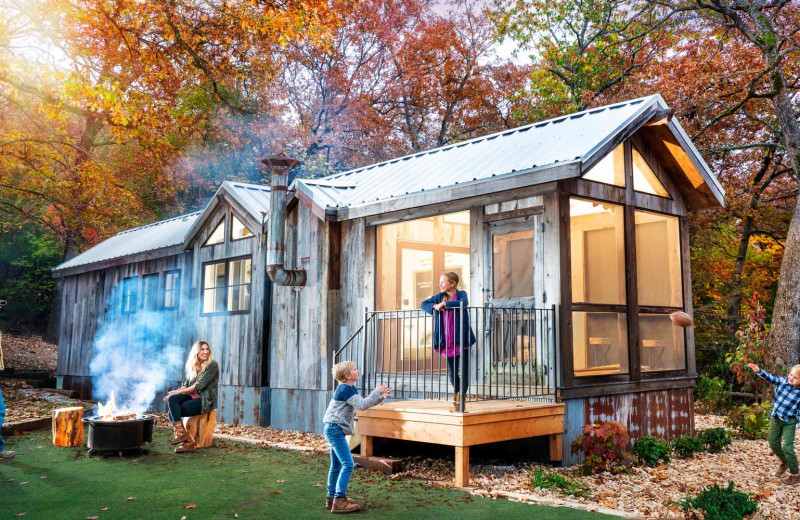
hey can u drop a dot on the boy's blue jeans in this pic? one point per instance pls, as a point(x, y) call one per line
point(2, 418)
point(341, 462)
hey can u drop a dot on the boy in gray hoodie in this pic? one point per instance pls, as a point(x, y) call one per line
point(338, 423)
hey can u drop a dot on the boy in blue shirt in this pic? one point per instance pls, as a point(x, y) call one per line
point(783, 420)
point(338, 423)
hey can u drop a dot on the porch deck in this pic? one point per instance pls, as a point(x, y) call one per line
point(484, 422)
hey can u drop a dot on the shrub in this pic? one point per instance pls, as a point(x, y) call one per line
point(720, 503)
point(604, 446)
point(687, 445)
point(715, 439)
point(712, 394)
point(751, 422)
point(651, 450)
point(540, 479)
point(753, 348)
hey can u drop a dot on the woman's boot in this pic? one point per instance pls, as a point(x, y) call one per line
point(186, 447)
point(181, 435)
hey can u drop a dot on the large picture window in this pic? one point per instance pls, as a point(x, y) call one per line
point(227, 286)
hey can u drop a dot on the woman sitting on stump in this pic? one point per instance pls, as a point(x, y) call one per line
point(198, 395)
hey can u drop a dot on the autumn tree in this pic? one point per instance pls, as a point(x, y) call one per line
point(770, 29)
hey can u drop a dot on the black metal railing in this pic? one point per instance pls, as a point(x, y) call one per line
point(513, 355)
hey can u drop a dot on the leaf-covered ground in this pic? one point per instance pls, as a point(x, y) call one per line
point(645, 492)
point(29, 353)
point(229, 480)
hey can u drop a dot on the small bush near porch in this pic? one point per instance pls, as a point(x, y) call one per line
point(230, 480)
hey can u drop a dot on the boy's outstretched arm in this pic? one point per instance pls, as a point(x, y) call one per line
point(763, 374)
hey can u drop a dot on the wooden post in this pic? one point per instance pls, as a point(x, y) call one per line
point(555, 446)
point(462, 466)
point(366, 445)
point(201, 428)
point(68, 427)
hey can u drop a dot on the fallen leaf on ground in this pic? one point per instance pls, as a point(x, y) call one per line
point(21, 514)
point(23, 483)
point(280, 481)
point(104, 509)
point(191, 506)
point(318, 484)
point(92, 517)
point(131, 498)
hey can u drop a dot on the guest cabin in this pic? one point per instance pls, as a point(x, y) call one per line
point(569, 235)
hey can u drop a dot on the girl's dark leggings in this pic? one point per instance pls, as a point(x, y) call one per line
point(459, 381)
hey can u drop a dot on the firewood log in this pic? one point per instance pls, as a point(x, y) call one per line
point(68, 427)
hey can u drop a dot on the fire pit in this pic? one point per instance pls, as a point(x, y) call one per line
point(112, 431)
point(118, 435)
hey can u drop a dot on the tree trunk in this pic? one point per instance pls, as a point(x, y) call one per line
point(784, 334)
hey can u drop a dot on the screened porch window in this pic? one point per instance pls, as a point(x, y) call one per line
point(644, 178)
point(659, 279)
point(600, 338)
point(610, 169)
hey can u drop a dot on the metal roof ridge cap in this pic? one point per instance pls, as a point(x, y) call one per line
point(156, 223)
point(611, 135)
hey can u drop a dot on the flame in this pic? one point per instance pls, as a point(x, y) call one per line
point(106, 412)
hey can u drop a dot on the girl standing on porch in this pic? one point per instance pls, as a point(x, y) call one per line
point(452, 336)
point(196, 396)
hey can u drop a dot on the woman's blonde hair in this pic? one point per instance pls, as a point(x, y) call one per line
point(795, 370)
point(453, 277)
point(341, 370)
point(193, 364)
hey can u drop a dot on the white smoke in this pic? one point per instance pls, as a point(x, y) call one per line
point(135, 356)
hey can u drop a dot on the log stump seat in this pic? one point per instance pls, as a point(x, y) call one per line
point(68, 427)
point(201, 428)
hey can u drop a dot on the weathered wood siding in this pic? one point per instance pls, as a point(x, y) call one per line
point(299, 348)
point(236, 340)
point(89, 301)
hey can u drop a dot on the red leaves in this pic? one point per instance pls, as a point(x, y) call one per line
point(191, 506)
point(605, 447)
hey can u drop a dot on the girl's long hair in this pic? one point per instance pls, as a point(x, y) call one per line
point(193, 364)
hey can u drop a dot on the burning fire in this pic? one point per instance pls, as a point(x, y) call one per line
point(106, 412)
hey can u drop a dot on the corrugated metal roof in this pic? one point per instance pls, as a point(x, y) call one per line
point(146, 238)
point(253, 197)
point(548, 143)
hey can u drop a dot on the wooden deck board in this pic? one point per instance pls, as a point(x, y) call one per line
point(483, 422)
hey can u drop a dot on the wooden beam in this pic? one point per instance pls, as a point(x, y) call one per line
point(556, 453)
point(468, 190)
point(462, 466)
point(491, 197)
point(366, 445)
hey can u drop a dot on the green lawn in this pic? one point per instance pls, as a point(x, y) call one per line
point(231, 480)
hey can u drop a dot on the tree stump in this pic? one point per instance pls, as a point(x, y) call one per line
point(68, 427)
point(201, 428)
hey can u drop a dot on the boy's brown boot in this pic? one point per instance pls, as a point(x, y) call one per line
point(784, 467)
point(344, 505)
point(181, 435)
point(791, 480)
point(328, 502)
